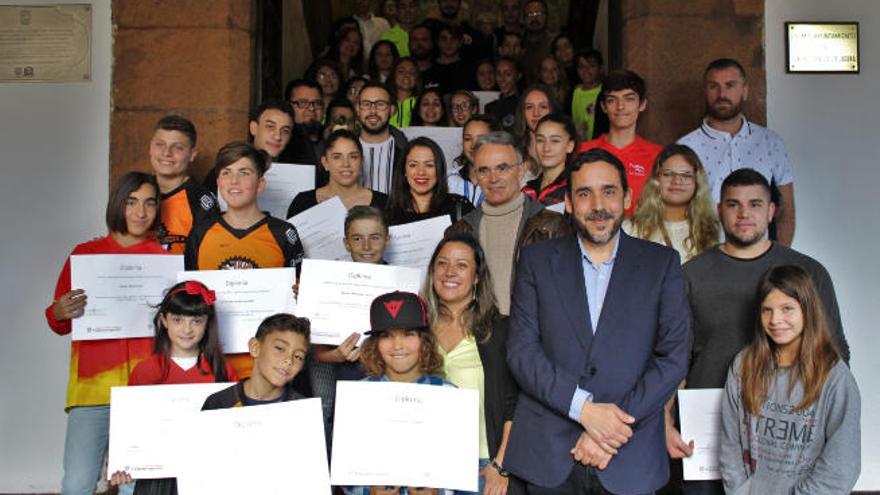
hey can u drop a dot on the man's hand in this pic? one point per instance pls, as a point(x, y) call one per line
point(588, 453)
point(495, 483)
point(607, 425)
point(674, 443)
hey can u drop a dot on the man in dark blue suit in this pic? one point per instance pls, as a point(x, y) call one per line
point(600, 326)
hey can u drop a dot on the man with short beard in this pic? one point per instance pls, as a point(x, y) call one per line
point(722, 283)
point(306, 143)
point(536, 44)
point(726, 141)
point(383, 144)
point(599, 332)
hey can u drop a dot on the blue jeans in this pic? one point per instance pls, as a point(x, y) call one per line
point(85, 446)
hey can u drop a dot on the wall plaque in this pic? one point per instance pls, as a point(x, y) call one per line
point(822, 47)
point(45, 42)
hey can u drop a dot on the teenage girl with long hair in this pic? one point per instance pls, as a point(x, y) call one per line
point(791, 407)
point(675, 207)
point(97, 365)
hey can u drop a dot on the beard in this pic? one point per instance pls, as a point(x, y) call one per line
point(581, 225)
point(744, 242)
point(725, 114)
point(380, 129)
point(312, 127)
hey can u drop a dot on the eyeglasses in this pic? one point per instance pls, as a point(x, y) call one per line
point(380, 105)
point(327, 75)
point(500, 169)
point(683, 177)
point(534, 14)
point(462, 107)
point(307, 103)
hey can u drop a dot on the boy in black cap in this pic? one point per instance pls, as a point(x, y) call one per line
point(400, 346)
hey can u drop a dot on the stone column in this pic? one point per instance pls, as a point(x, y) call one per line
point(187, 57)
point(669, 43)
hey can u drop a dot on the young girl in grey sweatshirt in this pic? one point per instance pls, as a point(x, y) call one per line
point(790, 414)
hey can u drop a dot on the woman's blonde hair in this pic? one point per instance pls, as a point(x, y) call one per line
point(703, 227)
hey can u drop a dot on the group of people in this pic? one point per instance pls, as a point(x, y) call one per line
point(588, 273)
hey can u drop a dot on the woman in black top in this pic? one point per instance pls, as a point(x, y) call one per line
point(463, 316)
point(419, 190)
point(343, 159)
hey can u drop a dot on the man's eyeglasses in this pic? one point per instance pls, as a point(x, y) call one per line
point(380, 105)
point(300, 104)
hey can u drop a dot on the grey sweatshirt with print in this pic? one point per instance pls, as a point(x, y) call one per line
point(813, 451)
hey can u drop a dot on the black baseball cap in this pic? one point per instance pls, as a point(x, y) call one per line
point(397, 310)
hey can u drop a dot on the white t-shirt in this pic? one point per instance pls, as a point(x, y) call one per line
point(752, 147)
point(378, 165)
point(678, 234)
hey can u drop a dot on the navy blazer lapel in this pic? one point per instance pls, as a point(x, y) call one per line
point(568, 274)
point(625, 271)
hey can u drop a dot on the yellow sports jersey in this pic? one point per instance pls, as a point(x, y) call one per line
point(185, 206)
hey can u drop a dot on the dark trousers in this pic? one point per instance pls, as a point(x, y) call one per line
point(583, 480)
point(713, 487)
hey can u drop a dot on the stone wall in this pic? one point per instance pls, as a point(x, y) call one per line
point(189, 57)
point(670, 42)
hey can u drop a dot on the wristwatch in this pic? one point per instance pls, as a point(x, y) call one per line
point(500, 469)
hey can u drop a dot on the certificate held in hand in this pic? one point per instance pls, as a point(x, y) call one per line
point(412, 244)
point(336, 295)
point(147, 426)
point(123, 290)
point(244, 299)
point(272, 449)
point(410, 435)
point(321, 228)
point(700, 413)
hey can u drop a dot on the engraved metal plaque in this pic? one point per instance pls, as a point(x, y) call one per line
point(45, 43)
point(822, 47)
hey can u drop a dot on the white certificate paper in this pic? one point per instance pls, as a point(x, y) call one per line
point(558, 207)
point(410, 435)
point(486, 97)
point(336, 295)
point(283, 182)
point(448, 138)
point(412, 244)
point(244, 299)
point(320, 229)
point(272, 449)
point(122, 290)
point(145, 426)
point(700, 414)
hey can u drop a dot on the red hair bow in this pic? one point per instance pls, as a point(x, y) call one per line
point(194, 288)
